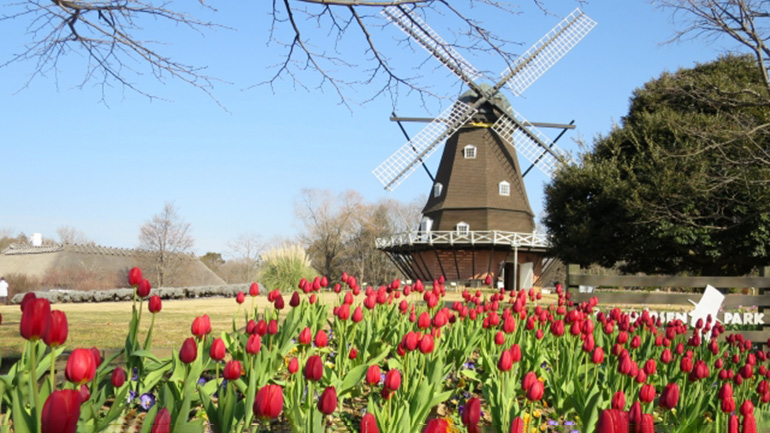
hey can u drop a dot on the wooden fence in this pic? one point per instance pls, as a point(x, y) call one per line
point(575, 279)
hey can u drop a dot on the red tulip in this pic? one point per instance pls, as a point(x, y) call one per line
point(597, 357)
point(369, 424)
point(272, 327)
point(619, 400)
point(254, 289)
point(728, 404)
point(81, 366)
point(84, 393)
point(35, 319)
point(293, 365)
point(294, 301)
point(189, 351)
point(232, 370)
point(162, 423)
point(353, 353)
point(321, 340)
point(500, 338)
point(536, 391)
point(240, 297)
point(358, 315)
point(28, 297)
point(118, 377)
point(647, 393)
point(749, 424)
point(61, 412)
point(217, 351)
point(134, 276)
point(261, 328)
point(327, 403)
point(373, 375)
point(426, 343)
point(253, 344)
point(314, 368)
point(154, 304)
point(279, 304)
point(392, 380)
point(612, 421)
point(437, 425)
point(201, 326)
point(57, 333)
point(528, 380)
point(472, 412)
point(517, 426)
point(732, 424)
point(515, 353)
point(143, 289)
point(424, 321)
point(269, 402)
point(505, 363)
point(305, 336)
point(97, 356)
point(670, 396)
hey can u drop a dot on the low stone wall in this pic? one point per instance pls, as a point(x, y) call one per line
point(118, 295)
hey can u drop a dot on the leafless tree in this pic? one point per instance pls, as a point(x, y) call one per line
point(71, 235)
point(168, 239)
point(745, 21)
point(333, 39)
point(245, 250)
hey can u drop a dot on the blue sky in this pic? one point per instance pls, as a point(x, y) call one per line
point(66, 158)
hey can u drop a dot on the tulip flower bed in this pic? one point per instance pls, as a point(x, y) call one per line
point(390, 359)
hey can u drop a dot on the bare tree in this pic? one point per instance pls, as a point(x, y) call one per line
point(246, 250)
point(745, 21)
point(323, 37)
point(168, 239)
point(71, 235)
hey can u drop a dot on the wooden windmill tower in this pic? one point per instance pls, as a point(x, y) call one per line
point(478, 220)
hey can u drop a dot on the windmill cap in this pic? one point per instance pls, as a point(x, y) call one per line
point(471, 95)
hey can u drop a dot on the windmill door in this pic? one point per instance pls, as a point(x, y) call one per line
point(526, 275)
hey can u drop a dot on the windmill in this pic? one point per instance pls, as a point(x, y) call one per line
point(478, 220)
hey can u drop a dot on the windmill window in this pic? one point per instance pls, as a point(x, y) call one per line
point(469, 152)
point(504, 188)
point(437, 189)
point(463, 228)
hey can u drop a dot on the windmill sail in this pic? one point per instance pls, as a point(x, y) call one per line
point(423, 34)
point(530, 142)
point(547, 51)
point(406, 159)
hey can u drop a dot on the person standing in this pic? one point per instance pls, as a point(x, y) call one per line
point(3, 291)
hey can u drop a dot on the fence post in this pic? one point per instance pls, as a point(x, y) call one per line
point(572, 270)
point(765, 307)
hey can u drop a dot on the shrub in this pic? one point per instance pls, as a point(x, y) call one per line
point(283, 267)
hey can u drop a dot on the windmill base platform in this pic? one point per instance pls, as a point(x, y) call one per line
point(466, 258)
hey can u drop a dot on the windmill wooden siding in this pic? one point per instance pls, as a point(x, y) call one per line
point(470, 187)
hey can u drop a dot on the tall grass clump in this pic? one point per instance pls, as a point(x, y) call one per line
point(283, 267)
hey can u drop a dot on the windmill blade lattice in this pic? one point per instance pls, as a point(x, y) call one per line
point(547, 51)
point(530, 143)
point(420, 31)
point(406, 159)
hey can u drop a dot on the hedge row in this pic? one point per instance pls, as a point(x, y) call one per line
point(117, 295)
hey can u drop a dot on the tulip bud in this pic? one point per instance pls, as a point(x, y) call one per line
point(154, 304)
point(232, 370)
point(305, 336)
point(201, 326)
point(314, 368)
point(358, 315)
point(272, 327)
point(392, 380)
point(426, 343)
point(369, 424)
point(254, 289)
point(217, 351)
point(269, 402)
point(189, 351)
point(118, 377)
point(529, 379)
point(81, 366)
point(253, 344)
point(134, 277)
point(505, 363)
point(536, 391)
point(327, 403)
point(293, 365)
point(619, 400)
point(321, 340)
point(670, 396)
point(35, 319)
point(240, 297)
point(57, 332)
point(353, 353)
point(472, 412)
point(143, 289)
point(373, 375)
point(61, 412)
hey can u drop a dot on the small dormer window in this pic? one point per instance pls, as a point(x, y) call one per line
point(504, 188)
point(469, 152)
point(437, 189)
point(462, 228)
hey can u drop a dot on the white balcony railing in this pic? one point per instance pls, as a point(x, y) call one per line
point(490, 237)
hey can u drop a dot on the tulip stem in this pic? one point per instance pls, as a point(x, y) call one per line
point(53, 370)
point(35, 392)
